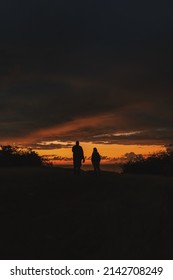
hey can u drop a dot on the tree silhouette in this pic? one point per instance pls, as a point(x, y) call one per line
point(159, 163)
point(14, 156)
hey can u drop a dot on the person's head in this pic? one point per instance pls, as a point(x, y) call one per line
point(77, 143)
point(95, 150)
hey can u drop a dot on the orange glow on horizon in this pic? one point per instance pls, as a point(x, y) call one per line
point(108, 150)
point(72, 129)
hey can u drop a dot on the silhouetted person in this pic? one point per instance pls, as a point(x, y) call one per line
point(78, 157)
point(96, 158)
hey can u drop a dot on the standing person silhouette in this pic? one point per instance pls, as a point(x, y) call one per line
point(96, 158)
point(78, 157)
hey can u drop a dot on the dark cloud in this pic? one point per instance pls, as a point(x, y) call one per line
point(50, 146)
point(148, 137)
point(68, 60)
point(59, 158)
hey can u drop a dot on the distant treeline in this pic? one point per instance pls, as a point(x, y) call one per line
point(160, 163)
point(14, 156)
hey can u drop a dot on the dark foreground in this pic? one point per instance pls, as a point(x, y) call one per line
point(50, 214)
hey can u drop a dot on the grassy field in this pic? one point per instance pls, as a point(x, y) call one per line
point(48, 213)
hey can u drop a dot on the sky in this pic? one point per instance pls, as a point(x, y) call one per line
point(95, 71)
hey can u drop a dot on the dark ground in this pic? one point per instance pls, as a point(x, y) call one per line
point(48, 213)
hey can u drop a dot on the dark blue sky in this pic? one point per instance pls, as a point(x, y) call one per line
point(67, 60)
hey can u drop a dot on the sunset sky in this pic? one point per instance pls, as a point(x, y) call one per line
point(95, 71)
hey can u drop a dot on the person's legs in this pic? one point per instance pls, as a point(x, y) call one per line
point(77, 166)
point(78, 170)
point(74, 167)
point(96, 169)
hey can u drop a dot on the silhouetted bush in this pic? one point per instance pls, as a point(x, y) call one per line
point(160, 163)
point(13, 156)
